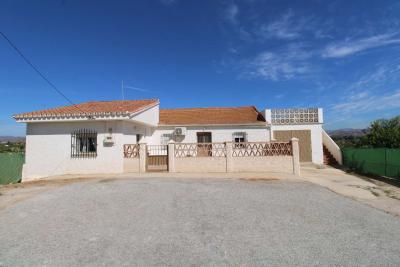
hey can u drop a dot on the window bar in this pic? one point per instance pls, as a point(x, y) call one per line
point(78, 144)
point(84, 155)
point(82, 140)
point(81, 143)
point(86, 143)
point(72, 144)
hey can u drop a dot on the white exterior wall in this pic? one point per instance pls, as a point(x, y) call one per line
point(48, 148)
point(218, 133)
point(130, 130)
point(148, 117)
point(316, 138)
point(48, 144)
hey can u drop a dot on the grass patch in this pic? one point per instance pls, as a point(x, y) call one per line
point(375, 193)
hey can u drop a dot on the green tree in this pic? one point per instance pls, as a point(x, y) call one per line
point(383, 133)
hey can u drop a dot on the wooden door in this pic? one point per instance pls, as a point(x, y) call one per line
point(304, 137)
point(204, 141)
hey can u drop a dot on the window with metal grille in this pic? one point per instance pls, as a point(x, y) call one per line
point(84, 144)
point(165, 138)
point(239, 137)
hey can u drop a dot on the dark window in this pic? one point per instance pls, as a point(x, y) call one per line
point(138, 138)
point(238, 138)
point(204, 137)
point(84, 144)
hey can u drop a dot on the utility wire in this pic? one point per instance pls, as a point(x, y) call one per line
point(40, 73)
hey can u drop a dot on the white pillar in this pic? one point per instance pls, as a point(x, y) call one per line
point(320, 115)
point(142, 157)
point(171, 156)
point(268, 116)
point(295, 156)
point(229, 162)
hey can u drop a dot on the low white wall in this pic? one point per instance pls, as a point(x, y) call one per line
point(200, 164)
point(316, 138)
point(238, 164)
point(131, 165)
point(263, 164)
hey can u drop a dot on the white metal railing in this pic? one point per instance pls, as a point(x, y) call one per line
point(332, 147)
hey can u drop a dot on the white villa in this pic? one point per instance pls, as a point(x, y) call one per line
point(138, 136)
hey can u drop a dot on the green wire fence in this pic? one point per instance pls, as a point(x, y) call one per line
point(377, 161)
point(11, 167)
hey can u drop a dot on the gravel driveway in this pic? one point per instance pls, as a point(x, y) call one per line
point(196, 222)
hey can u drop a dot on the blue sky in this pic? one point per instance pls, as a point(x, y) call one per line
point(343, 56)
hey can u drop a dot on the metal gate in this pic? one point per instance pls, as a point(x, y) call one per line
point(157, 158)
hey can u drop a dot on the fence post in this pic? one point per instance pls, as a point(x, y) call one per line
point(142, 157)
point(171, 156)
point(228, 149)
point(295, 156)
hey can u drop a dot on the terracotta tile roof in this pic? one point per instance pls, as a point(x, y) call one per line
point(121, 107)
point(211, 116)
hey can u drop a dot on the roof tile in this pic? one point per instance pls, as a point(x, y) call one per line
point(92, 108)
point(211, 116)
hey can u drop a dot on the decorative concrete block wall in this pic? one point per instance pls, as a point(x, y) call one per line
point(222, 157)
point(255, 157)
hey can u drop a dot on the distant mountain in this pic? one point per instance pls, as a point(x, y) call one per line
point(346, 132)
point(12, 138)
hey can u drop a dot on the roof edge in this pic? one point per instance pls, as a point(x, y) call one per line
point(208, 108)
point(261, 123)
point(22, 117)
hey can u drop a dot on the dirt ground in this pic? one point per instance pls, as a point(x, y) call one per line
point(195, 221)
point(13, 193)
point(382, 188)
point(378, 194)
point(369, 191)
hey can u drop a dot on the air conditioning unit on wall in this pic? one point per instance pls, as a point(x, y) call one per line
point(179, 131)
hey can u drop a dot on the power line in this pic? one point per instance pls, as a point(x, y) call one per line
point(38, 72)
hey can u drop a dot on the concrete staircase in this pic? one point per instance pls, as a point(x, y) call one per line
point(332, 152)
point(328, 158)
